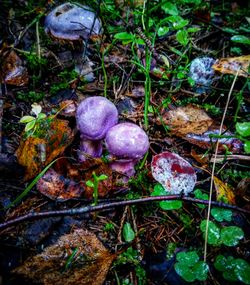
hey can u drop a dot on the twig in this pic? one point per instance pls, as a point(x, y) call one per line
point(213, 168)
point(110, 206)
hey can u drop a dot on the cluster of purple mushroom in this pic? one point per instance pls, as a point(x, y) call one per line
point(97, 120)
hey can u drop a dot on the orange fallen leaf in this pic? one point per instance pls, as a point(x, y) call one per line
point(76, 258)
point(230, 65)
point(187, 119)
point(35, 153)
point(224, 192)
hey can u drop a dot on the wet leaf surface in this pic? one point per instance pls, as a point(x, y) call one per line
point(77, 258)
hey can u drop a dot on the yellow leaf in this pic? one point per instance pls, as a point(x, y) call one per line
point(230, 65)
point(224, 192)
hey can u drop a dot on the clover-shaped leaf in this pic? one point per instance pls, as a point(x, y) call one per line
point(213, 232)
point(230, 236)
point(221, 214)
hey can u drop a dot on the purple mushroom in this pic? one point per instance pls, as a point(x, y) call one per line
point(127, 143)
point(72, 22)
point(94, 116)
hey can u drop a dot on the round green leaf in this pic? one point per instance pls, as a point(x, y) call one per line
point(241, 39)
point(200, 270)
point(188, 258)
point(89, 183)
point(171, 205)
point(184, 272)
point(220, 263)
point(182, 37)
point(199, 195)
point(247, 147)
point(230, 236)
point(213, 232)
point(230, 276)
point(128, 233)
point(221, 214)
point(242, 270)
point(243, 129)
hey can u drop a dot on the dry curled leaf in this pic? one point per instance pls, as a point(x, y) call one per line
point(77, 258)
point(12, 70)
point(34, 153)
point(188, 119)
point(232, 64)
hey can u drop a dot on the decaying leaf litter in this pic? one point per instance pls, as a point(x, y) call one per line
point(167, 71)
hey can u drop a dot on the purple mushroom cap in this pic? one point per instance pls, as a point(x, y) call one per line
point(95, 116)
point(127, 141)
point(72, 22)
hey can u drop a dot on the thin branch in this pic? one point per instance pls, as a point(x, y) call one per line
point(111, 206)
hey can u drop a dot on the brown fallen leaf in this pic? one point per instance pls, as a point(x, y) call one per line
point(12, 70)
point(58, 187)
point(76, 258)
point(187, 119)
point(34, 153)
point(230, 65)
point(224, 192)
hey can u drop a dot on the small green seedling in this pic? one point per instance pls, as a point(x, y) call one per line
point(33, 122)
point(189, 267)
point(234, 269)
point(228, 236)
point(128, 233)
point(165, 205)
point(94, 184)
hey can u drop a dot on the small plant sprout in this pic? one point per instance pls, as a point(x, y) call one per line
point(94, 184)
point(94, 116)
point(32, 122)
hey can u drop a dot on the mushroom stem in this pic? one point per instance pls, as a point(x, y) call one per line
point(90, 148)
point(124, 166)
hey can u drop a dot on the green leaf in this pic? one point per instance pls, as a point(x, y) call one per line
point(242, 270)
point(200, 270)
point(193, 30)
point(41, 116)
point(170, 8)
point(220, 263)
point(202, 196)
point(189, 267)
point(30, 126)
point(162, 31)
point(26, 119)
point(221, 214)
point(177, 21)
point(166, 205)
point(102, 177)
point(89, 183)
point(124, 36)
point(213, 232)
point(182, 37)
point(184, 272)
point(247, 147)
point(243, 129)
point(128, 233)
point(230, 236)
point(240, 39)
point(187, 258)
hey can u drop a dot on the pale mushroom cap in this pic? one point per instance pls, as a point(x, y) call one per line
point(95, 116)
point(127, 140)
point(71, 22)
